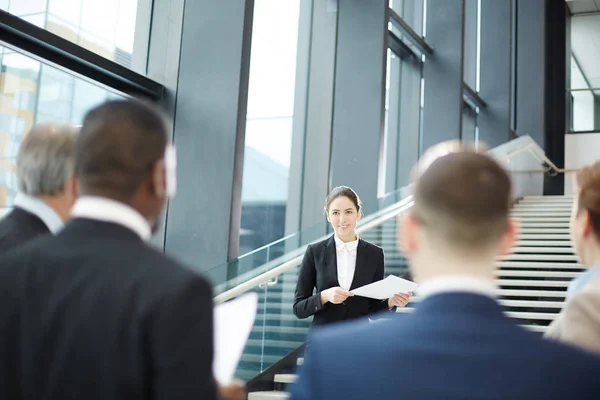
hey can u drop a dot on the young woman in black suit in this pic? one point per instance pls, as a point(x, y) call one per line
point(339, 264)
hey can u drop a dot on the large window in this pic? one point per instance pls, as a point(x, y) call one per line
point(269, 122)
point(471, 43)
point(585, 73)
point(32, 92)
point(115, 29)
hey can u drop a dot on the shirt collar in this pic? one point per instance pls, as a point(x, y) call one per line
point(41, 210)
point(107, 210)
point(582, 280)
point(350, 246)
point(458, 283)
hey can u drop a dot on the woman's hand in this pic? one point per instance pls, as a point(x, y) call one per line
point(334, 295)
point(399, 300)
point(234, 391)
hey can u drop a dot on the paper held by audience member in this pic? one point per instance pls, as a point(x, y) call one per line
point(233, 322)
point(386, 288)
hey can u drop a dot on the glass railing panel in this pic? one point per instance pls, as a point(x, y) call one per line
point(276, 331)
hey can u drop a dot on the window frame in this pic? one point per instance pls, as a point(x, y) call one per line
point(41, 43)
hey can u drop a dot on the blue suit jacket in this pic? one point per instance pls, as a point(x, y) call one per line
point(454, 346)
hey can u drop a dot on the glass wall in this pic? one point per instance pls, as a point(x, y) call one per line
point(469, 124)
point(269, 122)
point(471, 43)
point(115, 29)
point(32, 92)
point(412, 12)
point(584, 80)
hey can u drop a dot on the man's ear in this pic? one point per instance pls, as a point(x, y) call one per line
point(72, 189)
point(159, 182)
point(509, 238)
point(408, 227)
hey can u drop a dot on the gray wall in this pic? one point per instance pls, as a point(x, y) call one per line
point(443, 73)
point(209, 131)
point(494, 120)
point(358, 112)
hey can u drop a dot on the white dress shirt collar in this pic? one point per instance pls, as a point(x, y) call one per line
point(350, 246)
point(346, 261)
point(41, 210)
point(458, 283)
point(107, 210)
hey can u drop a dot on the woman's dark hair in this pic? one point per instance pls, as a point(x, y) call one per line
point(588, 184)
point(342, 191)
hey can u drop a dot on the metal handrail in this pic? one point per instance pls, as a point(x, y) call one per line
point(378, 218)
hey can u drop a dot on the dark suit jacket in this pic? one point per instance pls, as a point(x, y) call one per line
point(95, 313)
point(19, 227)
point(319, 270)
point(454, 346)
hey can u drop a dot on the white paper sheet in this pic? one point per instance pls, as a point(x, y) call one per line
point(233, 322)
point(386, 288)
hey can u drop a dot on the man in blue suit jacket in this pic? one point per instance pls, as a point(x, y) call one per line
point(457, 344)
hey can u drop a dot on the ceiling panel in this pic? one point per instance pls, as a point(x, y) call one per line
point(583, 6)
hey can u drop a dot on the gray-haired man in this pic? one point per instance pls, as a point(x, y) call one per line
point(47, 189)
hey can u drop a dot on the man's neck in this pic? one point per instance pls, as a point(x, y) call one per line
point(57, 204)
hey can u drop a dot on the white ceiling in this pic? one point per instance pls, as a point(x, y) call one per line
point(583, 6)
point(585, 45)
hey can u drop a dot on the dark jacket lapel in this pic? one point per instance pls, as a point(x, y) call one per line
point(363, 271)
point(331, 260)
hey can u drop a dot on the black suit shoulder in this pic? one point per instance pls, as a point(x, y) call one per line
point(372, 247)
point(19, 227)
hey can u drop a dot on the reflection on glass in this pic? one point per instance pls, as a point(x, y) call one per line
point(31, 93)
point(115, 29)
point(392, 123)
point(471, 43)
point(469, 124)
point(412, 12)
point(585, 73)
point(269, 123)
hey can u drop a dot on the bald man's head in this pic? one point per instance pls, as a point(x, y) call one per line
point(45, 159)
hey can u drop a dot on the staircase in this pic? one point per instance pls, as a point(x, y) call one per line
point(532, 283)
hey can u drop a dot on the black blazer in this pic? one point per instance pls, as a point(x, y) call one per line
point(19, 227)
point(94, 313)
point(319, 270)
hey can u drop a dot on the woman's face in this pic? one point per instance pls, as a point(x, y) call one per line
point(343, 216)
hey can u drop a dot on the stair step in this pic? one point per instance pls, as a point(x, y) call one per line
point(537, 274)
point(542, 250)
point(513, 314)
point(272, 395)
point(538, 257)
point(531, 315)
point(532, 303)
point(561, 294)
point(532, 283)
point(551, 224)
point(285, 378)
point(541, 213)
point(524, 230)
point(536, 328)
point(544, 243)
point(539, 265)
point(542, 236)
